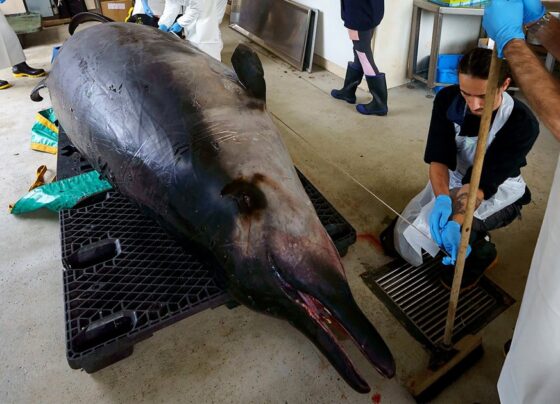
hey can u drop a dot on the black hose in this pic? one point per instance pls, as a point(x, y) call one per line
point(86, 17)
point(35, 96)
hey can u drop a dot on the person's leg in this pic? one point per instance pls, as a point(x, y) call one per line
point(10, 48)
point(364, 54)
point(484, 255)
point(353, 78)
point(499, 219)
point(377, 84)
point(4, 85)
point(24, 70)
point(11, 53)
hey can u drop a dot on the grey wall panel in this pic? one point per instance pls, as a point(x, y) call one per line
point(284, 27)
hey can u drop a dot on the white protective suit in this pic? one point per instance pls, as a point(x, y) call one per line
point(11, 52)
point(201, 21)
point(530, 372)
point(155, 5)
point(408, 240)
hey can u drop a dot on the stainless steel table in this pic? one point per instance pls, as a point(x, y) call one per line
point(439, 12)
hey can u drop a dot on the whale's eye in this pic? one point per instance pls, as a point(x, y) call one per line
point(247, 195)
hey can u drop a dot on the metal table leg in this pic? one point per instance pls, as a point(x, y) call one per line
point(413, 44)
point(434, 54)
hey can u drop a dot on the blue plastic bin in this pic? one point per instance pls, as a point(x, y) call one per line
point(447, 70)
point(460, 3)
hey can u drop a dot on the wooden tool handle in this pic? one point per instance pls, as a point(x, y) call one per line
point(485, 123)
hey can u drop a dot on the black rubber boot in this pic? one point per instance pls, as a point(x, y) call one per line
point(4, 85)
point(351, 83)
point(378, 89)
point(482, 257)
point(23, 70)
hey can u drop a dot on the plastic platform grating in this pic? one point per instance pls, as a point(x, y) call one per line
point(125, 278)
point(419, 301)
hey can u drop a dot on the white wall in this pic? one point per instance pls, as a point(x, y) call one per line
point(458, 34)
point(332, 42)
point(392, 37)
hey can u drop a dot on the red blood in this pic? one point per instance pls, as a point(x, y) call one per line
point(371, 239)
point(376, 398)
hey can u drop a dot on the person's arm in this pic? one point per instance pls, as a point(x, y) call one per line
point(539, 86)
point(439, 178)
point(191, 13)
point(460, 197)
point(503, 21)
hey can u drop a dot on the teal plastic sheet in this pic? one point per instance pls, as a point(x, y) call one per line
point(63, 194)
point(44, 133)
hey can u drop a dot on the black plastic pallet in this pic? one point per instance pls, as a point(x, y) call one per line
point(125, 278)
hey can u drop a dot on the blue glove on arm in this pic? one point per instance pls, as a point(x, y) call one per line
point(451, 236)
point(147, 9)
point(439, 217)
point(164, 28)
point(503, 21)
point(176, 28)
point(533, 11)
point(2, 1)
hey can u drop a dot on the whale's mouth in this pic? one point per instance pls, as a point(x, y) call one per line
point(327, 326)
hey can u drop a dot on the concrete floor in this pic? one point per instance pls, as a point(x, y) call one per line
point(236, 355)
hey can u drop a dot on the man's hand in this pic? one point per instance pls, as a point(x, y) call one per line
point(439, 217)
point(164, 28)
point(451, 237)
point(503, 21)
point(533, 10)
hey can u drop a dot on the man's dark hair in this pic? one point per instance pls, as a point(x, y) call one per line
point(476, 63)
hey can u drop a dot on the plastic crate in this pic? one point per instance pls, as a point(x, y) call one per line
point(125, 278)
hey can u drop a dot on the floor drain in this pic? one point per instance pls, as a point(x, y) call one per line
point(418, 300)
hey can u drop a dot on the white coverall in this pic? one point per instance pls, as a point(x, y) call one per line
point(201, 21)
point(156, 6)
point(11, 52)
point(530, 372)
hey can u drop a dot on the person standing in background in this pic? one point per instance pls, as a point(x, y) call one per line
point(11, 54)
point(200, 20)
point(361, 17)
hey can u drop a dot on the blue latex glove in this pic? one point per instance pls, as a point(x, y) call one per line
point(176, 28)
point(164, 27)
point(2, 1)
point(439, 217)
point(503, 21)
point(533, 11)
point(451, 237)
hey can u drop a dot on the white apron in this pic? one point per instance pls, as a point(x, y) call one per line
point(531, 371)
point(408, 241)
point(11, 53)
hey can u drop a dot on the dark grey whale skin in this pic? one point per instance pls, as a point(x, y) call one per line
point(191, 142)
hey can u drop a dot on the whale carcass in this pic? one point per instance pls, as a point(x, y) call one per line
point(191, 142)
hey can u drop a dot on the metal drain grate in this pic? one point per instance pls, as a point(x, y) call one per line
point(416, 297)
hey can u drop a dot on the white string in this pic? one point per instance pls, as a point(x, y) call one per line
point(358, 183)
